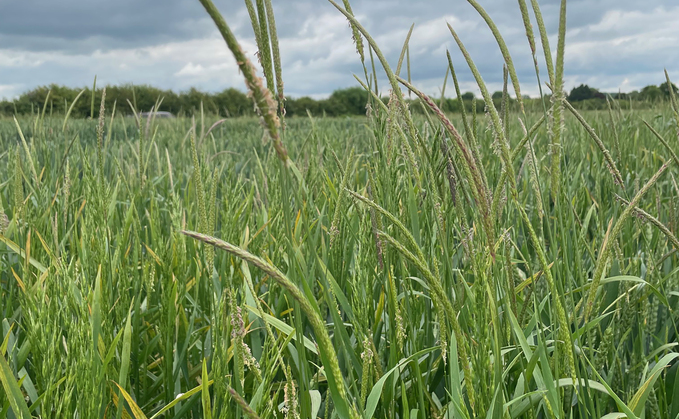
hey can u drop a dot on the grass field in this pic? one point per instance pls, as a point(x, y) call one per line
point(499, 265)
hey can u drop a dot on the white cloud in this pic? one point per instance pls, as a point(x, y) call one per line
point(10, 90)
point(612, 46)
point(20, 59)
point(625, 50)
point(190, 69)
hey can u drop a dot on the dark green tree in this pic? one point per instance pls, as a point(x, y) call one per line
point(582, 92)
point(664, 88)
point(300, 106)
point(351, 101)
point(651, 93)
point(232, 102)
point(468, 96)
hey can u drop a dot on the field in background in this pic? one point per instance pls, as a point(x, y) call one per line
point(498, 264)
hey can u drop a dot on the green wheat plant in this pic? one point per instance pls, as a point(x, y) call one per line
point(508, 261)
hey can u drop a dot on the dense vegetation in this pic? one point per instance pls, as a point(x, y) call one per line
point(233, 103)
point(501, 264)
point(649, 93)
point(228, 103)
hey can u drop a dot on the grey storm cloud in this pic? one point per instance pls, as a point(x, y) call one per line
point(84, 26)
point(611, 44)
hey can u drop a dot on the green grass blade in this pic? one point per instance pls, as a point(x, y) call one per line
point(125, 358)
point(12, 391)
point(136, 411)
point(205, 392)
point(638, 401)
point(70, 109)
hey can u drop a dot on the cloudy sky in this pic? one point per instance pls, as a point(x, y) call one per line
point(611, 44)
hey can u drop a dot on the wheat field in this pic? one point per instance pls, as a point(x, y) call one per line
point(503, 263)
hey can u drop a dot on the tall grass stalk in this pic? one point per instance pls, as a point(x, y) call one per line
point(262, 96)
point(404, 269)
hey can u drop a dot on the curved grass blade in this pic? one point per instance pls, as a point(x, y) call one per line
point(326, 349)
point(12, 390)
point(638, 401)
point(376, 392)
point(503, 48)
point(180, 397)
point(21, 252)
point(243, 404)
point(70, 109)
point(663, 141)
point(136, 411)
point(500, 135)
point(403, 50)
point(617, 177)
point(262, 96)
point(602, 261)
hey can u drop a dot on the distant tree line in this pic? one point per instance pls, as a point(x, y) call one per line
point(227, 103)
point(231, 102)
point(649, 93)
